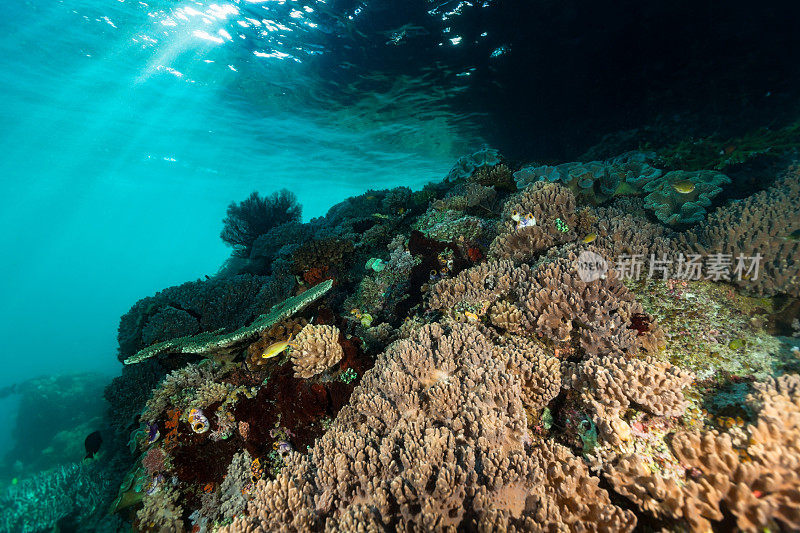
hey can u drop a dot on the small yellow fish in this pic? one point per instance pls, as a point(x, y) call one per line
point(515, 216)
point(380, 215)
point(683, 186)
point(370, 197)
point(277, 348)
point(590, 238)
point(472, 317)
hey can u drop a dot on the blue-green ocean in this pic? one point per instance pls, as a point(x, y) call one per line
point(129, 130)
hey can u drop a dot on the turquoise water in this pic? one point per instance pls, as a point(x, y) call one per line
point(129, 127)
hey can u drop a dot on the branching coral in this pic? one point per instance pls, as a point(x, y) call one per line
point(433, 439)
point(317, 350)
point(553, 210)
point(175, 386)
point(235, 488)
point(476, 287)
point(557, 304)
point(761, 224)
point(498, 176)
point(608, 385)
point(622, 233)
point(161, 512)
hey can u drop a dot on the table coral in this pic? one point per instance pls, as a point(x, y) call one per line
point(209, 343)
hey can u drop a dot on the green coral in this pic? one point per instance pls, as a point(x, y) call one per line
point(594, 181)
point(218, 342)
point(348, 376)
point(681, 209)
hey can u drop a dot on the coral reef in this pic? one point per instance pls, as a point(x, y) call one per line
point(462, 372)
point(74, 494)
point(548, 204)
point(678, 198)
point(433, 438)
point(466, 165)
point(761, 224)
point(557, 304)
point(195, 307)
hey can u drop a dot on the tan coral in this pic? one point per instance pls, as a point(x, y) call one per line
point(505, 315)
point(539, 372)
point(546, 202)
point(434, 439)
point(558, 304)
point(761, 223)
point(279, 332)
point(757, 483)
point(608, 385)
point(476, 286)
point(317, 350)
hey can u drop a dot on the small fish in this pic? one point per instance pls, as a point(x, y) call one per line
point(683, 186)
point(590, 238)
point(370, 197)
point(527, 221)
point(277, 348)
point(515, 216)
point(444, 271)
point(380, 215)
point(434, 275)
point(472, 317)
point(92, 444)
point(152, 433)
